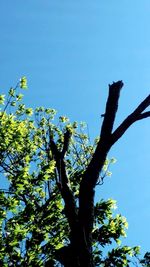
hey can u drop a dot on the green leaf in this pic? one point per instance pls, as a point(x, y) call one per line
point(2, 99)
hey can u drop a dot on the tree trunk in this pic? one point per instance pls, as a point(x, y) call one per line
point(79, 252)
point(70, 256)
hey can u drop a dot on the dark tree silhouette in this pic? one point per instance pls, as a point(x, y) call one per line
point(81, 220)
point(48, 214)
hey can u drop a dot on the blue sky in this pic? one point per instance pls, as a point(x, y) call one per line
point(70, 51)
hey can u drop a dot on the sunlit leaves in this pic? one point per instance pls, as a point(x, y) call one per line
point(29, 111)
point(120, 256)
point(11, 92)
point(23, 83)
point(2, 99)
point(63, 119)
point(105, 170)
point(33, 224)
point(104, 210)
point(107, 227)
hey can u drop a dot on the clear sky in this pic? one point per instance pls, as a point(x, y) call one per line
point(70, 51)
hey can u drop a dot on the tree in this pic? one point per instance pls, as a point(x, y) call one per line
point(48, 215)
point(146, 260)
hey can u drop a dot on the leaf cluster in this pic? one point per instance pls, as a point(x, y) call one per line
point(33, 223)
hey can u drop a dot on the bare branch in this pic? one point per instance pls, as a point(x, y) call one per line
point(111, 109)
point(67, 136)
point(107, 139)
point(143, 105)
point(144, 115)
point(91, 175)
point(103, 146)
point(65, 190)
point(133, 117)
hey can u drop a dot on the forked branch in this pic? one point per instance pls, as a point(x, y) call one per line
point(107, 139)
point(136, 115)
point(64, 187)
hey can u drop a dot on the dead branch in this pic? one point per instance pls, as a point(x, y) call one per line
point(107, 139)
point(67, 136)
point(136, 115)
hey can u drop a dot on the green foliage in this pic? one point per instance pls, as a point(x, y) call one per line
point(146, 260)
point(23, 83)
point(33, 225)
point(120, 256)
